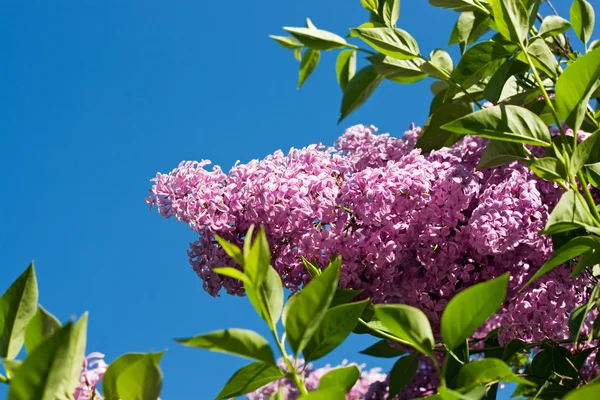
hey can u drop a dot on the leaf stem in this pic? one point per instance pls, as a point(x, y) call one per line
point(299, 383)
point(588, 197)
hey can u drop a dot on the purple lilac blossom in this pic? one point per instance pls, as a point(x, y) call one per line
point(411, 228)
point(92, 372)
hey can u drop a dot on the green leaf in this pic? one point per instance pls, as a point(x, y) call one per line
point(401, 71)
point(49, 370)
point(309, 24)
point(11, 366)
point(584, 393)
point(340, 378)
point(258, 258)
point(17, 306)
point(307, 308)
point(240, 342)
point(335, 327)
point(41, 325)
point(345, 67)
point(403, 371)
point(582, 19)
point(433, 136)
point(371, 5)
point(479, 62)
point(511, 19)
point(474, 394)
point(581, 155)
point(469, 27)
point(133, 376)
point(317, 39)
point(248, 379)
point(312, 270)
point(286, 41)
point(391, 11)
point(458, 5)
point(382, 349)
point(393, 42)
point(343, 296)
point(512, 348)
point(359, 89)
point(567, 252)
point(575, 86)
point(309, 62)
point(548, 168)
point(542, 57)
point(325, 394)
point(552, 360)
point(469, 309)
point(498, 153)
point(504, 122)
point(481, 372)
point(408, 324)
point(570, 213)
point(232, 273)
point(589, 258)
point(576, 320)
point(439, 59)
point(280, 395)
point(502, 84)
point(267, 299)
point(231, 249)
point(553, 25)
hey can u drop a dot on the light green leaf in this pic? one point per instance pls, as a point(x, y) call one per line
point(511, 19)
point(309, 62)
point(307, 308)
point(17, 306)
point(553, 25)
point(258, 258)
point(479, 62)
point(401, 71)
point(76, 351)
point(286, 41)
point(582, 19)
point(503, 84)
point(498, 153)
point(312, 270)
point(542, 57)
point(232, 273)
point(340, 378)
point(433, 136)
point(548, 168)
point(485, 371)
point(309, 24)
point(469, 27)
point(370, 5)
point(267, 299)
point(590, 258)
point(575, 86)
point(231, 249)
point(345, 67)
point(469, 309)
point(248, 379)
point(584, 393)
point(335, 327)
point(505, 122)
point(393, 42)
point(574, 248)
point(133, 376)
point(317, 39)
point(476, 393)
point(359, 89)
point(590, 147)
point(403, 371)
point(458, 5)
point(408, 324)
point(391, 11)
point(240, 342)
point(325, 394)
point(41, 325)
point(570, 213)
point(280, 395)
point(439, 59)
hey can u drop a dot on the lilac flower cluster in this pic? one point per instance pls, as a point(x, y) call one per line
point(411, 228)
point(92, 372)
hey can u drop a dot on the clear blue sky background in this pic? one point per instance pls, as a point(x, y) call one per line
point(97, 96)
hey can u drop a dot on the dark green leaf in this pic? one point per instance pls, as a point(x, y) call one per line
point(469, 27)
point(340, 378)
point(391, 11)
point(590, 147)
point(335, 327)
point(317, 39)
point(576, 320)
point(393, 42)
point(133, 376)
point(248, 379)
point(240, 342)
point(569, 251)
point(307, 308)
point(309, 62)
point(40, 326)
point(575, 86)
point(505, 122)
point(456, 359)
point(345, 67)
point(286, 41)
point(359, 89)
point(481, 372)
point(571, 212)
point(553, 25)
point(589, 258)
point(553, 360)
point(542, 57)
point(498, 153)
point(548, 168)
point(479, 62)
point(512, 348)
point(503, 84)
point(512, 20)
point(401, 71)
point(582, 19)
point(432, 136)
point(382, 349)
point(343, 296)
point(408, 324)
point(17, 306)
point(469, 309)
point(403, 371)
point(579, 359)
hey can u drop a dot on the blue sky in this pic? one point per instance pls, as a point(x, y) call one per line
point(96, 97)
